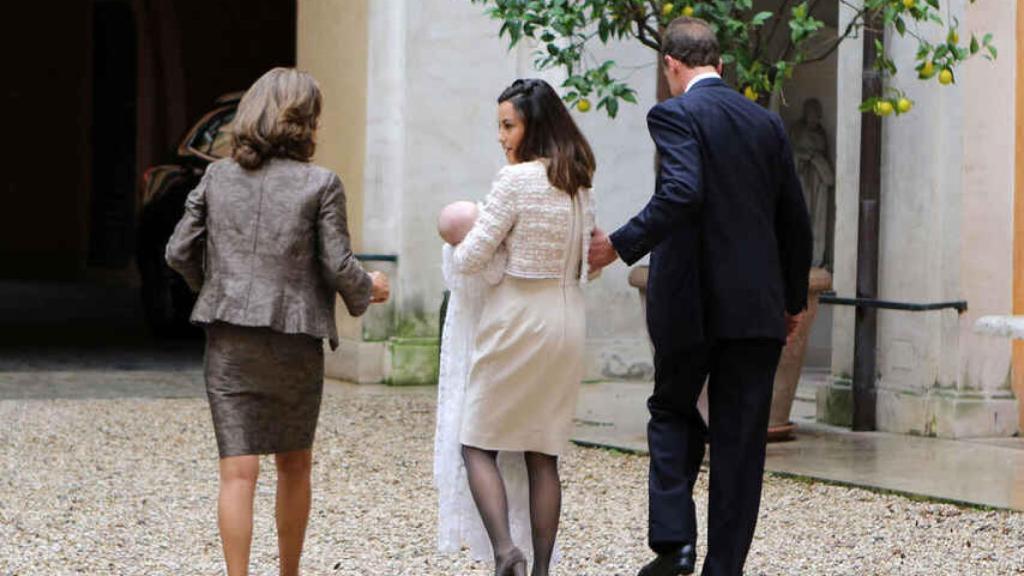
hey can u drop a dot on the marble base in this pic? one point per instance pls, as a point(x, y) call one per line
point(357, 361)
point(413, 361)
point(944, 415)
point(618, 359)
point(835, 403)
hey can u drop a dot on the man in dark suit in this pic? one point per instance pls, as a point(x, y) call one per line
point(730, 243)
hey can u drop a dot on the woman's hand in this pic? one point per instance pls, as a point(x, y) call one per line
point(381, 289)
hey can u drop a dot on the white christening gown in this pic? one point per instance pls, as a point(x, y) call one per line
point(459, 524)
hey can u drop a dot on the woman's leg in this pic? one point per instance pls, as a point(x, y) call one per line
point(489, 495)
point(294, 494)
point(545, 507)
point(234, 510)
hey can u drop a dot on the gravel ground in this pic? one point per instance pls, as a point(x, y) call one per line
point(127, 487)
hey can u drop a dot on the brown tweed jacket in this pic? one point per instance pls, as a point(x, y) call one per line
point(269, 248)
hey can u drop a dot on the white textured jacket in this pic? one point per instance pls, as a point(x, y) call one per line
point(532, 217)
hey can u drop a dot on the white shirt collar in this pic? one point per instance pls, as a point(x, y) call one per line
point(700, 77)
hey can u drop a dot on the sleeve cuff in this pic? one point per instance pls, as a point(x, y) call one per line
point(623, 244)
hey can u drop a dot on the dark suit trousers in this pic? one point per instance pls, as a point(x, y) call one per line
point(739, 398)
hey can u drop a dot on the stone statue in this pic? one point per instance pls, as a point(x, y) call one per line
point(814, 168)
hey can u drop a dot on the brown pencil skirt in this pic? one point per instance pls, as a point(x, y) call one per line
point(264, 389)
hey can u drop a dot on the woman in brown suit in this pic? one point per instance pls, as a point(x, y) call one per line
point(264, 240)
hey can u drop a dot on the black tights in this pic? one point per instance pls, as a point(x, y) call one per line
point(489, 495)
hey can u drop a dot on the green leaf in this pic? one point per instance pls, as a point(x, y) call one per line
point(800, 11)
point(568, 30)
point(923, 50)
point(760, 18)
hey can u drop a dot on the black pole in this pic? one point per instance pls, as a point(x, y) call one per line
point(865, 326)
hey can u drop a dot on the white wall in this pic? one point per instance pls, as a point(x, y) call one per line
point(986, 256)
point(848, 97)
point(436, 69)
point(946, 234)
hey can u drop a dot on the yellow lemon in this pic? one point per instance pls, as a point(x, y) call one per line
point(688, 11)
point(954, 38)
point(883, 107)
point(583, 105)
point(909, 4)
point(750, 93)
point(904, 105)
point(928, 70)
point(946, 77)
point(667, 9)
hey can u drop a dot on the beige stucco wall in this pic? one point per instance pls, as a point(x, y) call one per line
point(332, 46)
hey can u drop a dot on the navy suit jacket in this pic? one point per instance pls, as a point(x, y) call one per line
point(727, 227)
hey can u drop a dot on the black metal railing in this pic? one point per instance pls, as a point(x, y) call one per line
point(830, 298)
point(377, 257)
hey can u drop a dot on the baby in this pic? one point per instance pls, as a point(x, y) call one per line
point(454, 223)
point(456, 220)
point(462, 312)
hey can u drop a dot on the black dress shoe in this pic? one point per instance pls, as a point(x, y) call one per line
point(681, 561)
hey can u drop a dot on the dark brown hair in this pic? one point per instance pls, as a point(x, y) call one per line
point(692, 42)
point(276, 118)
point(551, 133)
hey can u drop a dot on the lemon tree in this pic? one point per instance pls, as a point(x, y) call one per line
point(760, 49)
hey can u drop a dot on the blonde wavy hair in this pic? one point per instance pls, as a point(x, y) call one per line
point(276, 118)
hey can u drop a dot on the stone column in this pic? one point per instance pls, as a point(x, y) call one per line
point(333, 47)
point(834, 400)
point(945, 233)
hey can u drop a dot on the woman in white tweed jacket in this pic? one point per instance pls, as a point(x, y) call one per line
point(528, 348)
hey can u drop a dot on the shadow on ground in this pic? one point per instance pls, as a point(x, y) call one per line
point(88, 339)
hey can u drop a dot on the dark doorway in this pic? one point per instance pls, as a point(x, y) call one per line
point(111, 93)
point(112, 206)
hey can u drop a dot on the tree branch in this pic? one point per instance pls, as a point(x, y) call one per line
point(853, 24)
point(775, 25)
point(647, 34)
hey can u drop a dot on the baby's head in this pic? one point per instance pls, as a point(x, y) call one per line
point(456, 220)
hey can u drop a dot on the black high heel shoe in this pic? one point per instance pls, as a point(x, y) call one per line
point(508, 565)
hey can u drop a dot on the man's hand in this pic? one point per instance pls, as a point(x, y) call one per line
point(601, 253)
point(793, 323)
point(381, 289)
